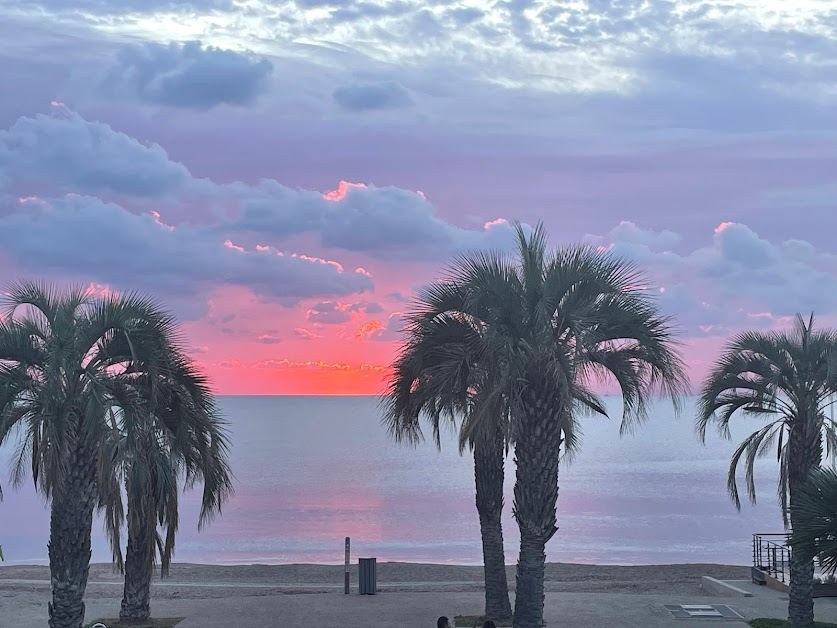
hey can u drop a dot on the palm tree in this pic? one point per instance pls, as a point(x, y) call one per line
point(815, 532)
point(787, 378)
point(180, 437)
point(435, 375)
point(550, 324)
point(65, 358)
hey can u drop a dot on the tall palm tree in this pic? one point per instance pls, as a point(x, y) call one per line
point(435, 375)
point(180, 437)
point(550, 324)
point(787, 378)
point(815, 533)
point(64, 360)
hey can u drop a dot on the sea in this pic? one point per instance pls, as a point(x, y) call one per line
point(311, 471)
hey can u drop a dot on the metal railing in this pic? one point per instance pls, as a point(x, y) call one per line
point(771, 554)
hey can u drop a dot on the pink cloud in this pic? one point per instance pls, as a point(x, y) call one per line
point(99, 290)
point(367, 330)
point(230, 245)
point(305, 334)
point(342, 189)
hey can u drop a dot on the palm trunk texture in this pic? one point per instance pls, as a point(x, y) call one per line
point(139, 560)
point(805, 454)
point(537, 452)
point(488, 475)
point(71, 520)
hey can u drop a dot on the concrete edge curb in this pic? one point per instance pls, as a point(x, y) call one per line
point(719, 587)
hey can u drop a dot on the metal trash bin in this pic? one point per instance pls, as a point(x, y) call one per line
point(367, 576)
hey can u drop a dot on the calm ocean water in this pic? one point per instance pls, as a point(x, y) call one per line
point(312, 470)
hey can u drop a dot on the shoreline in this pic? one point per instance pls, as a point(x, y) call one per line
point(192, 580)
point(45, 563)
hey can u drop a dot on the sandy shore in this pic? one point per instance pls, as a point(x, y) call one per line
point(191, 581)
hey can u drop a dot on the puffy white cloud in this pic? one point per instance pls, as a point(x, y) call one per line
point(386, 222)
point(86, 237)
point(786, 278)
point(70, 153)
point(188, 75)
point(736, 279)
point(66, 153)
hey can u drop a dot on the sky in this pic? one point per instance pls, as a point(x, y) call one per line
point(284, 175)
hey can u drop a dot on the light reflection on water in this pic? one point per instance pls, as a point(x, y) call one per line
point(312, 470)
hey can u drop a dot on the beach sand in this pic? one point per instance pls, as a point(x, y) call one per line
point(188, 580)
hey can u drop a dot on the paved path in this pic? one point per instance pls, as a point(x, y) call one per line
point(416, 610)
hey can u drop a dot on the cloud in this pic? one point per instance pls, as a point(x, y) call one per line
point(268, 339)
point(371, 96)
point(86, 237)
point(316, 365)
point(736, 279)
point(122, 7)
point(367, 330)
point(188, 75)
point(642, 245)
point(788, 277)
point(465, 15)
point(386, 222)
point(349, 11)
point(335, 312)
point(397, 296)
point(375, 330)
point(305, 334)
point(743, 93)
point(70, 152)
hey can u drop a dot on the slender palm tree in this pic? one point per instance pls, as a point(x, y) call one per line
point(550, 324)
point(435, 375)
point(786, 378)
point(64, 359)
point(815, 532)
point(181, 437)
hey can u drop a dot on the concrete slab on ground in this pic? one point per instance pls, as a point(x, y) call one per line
point(27, 609)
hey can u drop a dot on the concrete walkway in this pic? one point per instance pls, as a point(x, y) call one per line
point(23, 609)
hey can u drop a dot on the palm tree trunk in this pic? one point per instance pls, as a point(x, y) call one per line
point(489, 458)
point(800, 589)
point(71, 521)
point(139, 559)
point(537, 452)
point(800, 592)
point(804, 454)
